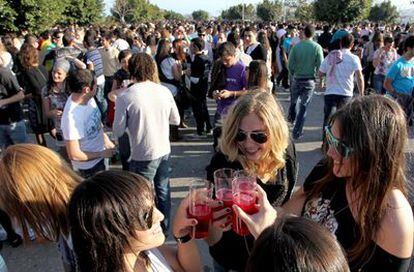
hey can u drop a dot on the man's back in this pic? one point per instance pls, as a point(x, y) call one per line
point(146, 109)
point(305, 59)
point(340, 73)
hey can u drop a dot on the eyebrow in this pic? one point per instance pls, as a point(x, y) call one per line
point(256, 130)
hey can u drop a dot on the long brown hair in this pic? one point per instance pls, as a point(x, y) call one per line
point(105, 212)
point(142, 67)
point(29, 56)
point(258, 75)
point(375, 128)
point(35, 188)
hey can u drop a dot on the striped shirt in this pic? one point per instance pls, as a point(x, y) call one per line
point(94, 56)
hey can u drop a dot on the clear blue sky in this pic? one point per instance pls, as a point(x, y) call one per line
point(214, 7)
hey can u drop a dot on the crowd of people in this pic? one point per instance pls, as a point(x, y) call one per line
point(142, 83)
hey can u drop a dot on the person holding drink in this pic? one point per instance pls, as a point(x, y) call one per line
point(255, 139)
point(359, 191)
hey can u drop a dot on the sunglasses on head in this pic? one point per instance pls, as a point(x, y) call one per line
point(148, 217)
point(259, 137)
point(340, 148)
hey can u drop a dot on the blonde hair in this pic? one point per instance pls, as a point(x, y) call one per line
point(264, 105)
point(36, 185)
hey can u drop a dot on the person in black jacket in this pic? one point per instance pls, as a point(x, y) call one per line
point(200, 68)
point(252, 46)
point(256, 139)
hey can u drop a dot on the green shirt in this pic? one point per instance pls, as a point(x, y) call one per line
point(305, 59)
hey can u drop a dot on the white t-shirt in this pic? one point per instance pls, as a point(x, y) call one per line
point(83, 123)
point(166, 67)
point(121, 44)
point(146, 109)
point(341, 82)
point(158, 263)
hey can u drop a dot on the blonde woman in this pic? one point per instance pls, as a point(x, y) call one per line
point(256, 139)
point(36, 185)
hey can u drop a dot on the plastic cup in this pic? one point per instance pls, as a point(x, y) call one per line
point(244, 196)
point(198, 208)
point(223, 179)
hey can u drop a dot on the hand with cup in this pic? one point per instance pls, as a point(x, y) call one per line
point(244, 196)
point(199, 206)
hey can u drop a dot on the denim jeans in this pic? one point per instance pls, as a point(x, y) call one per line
point(158, 172)
point(303, 89)
point(87, 173)
point(333, 102)
point(378, 82)
point(15, 133)
point(101, 101)
point(3, 267)
point(124, 150)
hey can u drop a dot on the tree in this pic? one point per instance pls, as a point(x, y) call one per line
point(84, 12)
point(121, 10)
point(336, 11)
point(236, 12)
point(200, 15)
point(172, 15)
point(304, 11)
point(7, 17)
point(269, 10)
point(385, 12)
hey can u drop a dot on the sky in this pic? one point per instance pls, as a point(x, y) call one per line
point(214, 7)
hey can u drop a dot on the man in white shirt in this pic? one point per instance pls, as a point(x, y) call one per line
point(86, 143)
point(340, 67)
point(146, 109)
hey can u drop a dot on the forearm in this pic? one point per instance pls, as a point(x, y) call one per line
point(79, 64)
point(107, 142)
point(13, 99)
point(239, 93)
point(83, 155)
point(361, 85)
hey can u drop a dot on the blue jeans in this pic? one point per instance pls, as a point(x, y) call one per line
point(15, 133)
point(101, 101)
point(3, 267)
point(87, 173)
point(333, 103)
point(158, 172)
point(378, 83)
point(303, 89)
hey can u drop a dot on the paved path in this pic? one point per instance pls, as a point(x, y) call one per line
point(189, 158)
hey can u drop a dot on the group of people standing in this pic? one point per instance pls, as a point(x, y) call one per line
point(117, 220)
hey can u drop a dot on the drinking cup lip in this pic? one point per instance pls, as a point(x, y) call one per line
point(223, 170)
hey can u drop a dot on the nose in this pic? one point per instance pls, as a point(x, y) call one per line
point(158, 216)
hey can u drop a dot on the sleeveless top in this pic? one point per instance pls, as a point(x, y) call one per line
point(331, 210)
point(157, 261)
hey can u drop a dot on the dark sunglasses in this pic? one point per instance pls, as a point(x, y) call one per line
point(259, 137)
point(148, 217)
point(340, 148)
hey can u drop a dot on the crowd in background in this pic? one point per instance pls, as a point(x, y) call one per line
point(142, 83)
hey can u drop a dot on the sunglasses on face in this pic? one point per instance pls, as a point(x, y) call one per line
point(148, 217)
point(342, 149)
point(259, 136)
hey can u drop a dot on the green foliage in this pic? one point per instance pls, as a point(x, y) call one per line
point(236, 12)
point(304, 12)
point(269, 10)
point(336, 11)
point(200, 15)
point(136, 11)
point(83, 12)
point(7, 17)
point(172, 15)
point(384, 12)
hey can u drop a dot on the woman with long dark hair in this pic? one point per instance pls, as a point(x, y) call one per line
point(116, 227)
point(359, 191)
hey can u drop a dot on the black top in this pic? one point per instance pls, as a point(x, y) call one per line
point(120, 76)
point(259, 53)
point(200, 68)
point(332, 211)
point(34, 80)
point(8, 87)
point(230, 252)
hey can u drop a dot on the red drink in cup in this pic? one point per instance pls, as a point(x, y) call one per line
point(244, 196)
point(200, 195)
point(222, 182)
